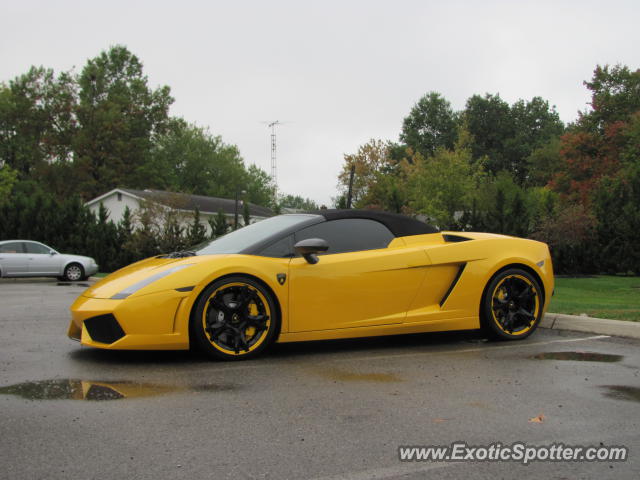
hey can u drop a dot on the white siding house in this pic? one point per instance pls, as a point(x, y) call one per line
point(118, 199)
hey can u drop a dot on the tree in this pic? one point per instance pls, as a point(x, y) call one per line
point(126, 250)
point(102, 241)
point(37, 123)
point(196, 233)
point(259, 187)
point(535, 125)
point(246, 213)
point(571, 235)
point(218, 224)
point(431, 124)
point(118, 116)
point(297, 202)
point(187, 158)
point(615, 94)
point(148, 220)
point(605, 138)
point(506, 136)
point(489, 122)
point(370, 159)
point(440, 186)
point(8, 178)
point(544, 163)
point(616, 206)
point(172, 238)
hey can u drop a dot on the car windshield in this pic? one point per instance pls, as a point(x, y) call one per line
point(239, 240)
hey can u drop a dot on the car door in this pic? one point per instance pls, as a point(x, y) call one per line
point(13, 259)
point(41, 261)
point(359, 282)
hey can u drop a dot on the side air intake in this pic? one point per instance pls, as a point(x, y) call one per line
point(453, 284)
point(449, 238)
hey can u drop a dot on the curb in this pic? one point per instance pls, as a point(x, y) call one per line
point(602, 326)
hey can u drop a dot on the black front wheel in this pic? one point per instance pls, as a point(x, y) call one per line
point(512, 305)
point(235, 318)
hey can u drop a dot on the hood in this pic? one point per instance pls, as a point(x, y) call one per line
point(77, 258)
point(132, 274)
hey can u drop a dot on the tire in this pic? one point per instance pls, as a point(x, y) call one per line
point(235, 318)
point(73, 272)
point(512, 305)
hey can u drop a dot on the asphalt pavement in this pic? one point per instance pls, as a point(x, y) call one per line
point(330, 410)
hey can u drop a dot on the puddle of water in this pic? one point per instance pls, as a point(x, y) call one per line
point(622, 392)
point(339, 375)
point(579, 356)
point(68, 389)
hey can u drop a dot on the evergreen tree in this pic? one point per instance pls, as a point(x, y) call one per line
point(196, 233)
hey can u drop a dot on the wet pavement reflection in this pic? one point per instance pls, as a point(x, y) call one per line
point(622, 392)
point(578, 356)
point(71, 389)
point(340, 375)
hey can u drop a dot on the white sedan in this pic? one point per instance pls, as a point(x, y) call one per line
point(26, 258)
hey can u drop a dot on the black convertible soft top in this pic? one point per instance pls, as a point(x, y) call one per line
point(399, 225)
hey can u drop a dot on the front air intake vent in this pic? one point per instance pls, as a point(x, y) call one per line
point(104, 328)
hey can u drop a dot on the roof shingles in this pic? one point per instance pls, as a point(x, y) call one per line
point(205, 204)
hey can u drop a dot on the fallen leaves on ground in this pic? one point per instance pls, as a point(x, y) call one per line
point(539, 419)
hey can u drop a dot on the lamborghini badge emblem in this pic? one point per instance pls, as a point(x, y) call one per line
point(282, 277)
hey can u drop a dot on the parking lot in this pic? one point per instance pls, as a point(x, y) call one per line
point(335, 409)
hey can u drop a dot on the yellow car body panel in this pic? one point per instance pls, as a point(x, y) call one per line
point(383, 281)
point(419, 283)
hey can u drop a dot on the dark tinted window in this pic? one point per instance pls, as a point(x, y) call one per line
point(349, 235)
point(245, 237)
point(281, 249)
point(36, 248)
point(11, 247)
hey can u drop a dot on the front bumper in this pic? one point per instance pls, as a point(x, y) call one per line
point(91, 269)
point(157, 321)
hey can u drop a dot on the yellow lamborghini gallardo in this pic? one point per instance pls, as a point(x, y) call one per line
point(331, 274)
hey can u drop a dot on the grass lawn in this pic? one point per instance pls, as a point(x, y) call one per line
point(100, 275)
point(601, 297)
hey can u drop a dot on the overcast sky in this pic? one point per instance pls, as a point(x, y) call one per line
point(340, 73)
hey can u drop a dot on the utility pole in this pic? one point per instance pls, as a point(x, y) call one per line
point(351, 175)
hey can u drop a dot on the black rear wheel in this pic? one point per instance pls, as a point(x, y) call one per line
point(512, 304)
point(235, 318)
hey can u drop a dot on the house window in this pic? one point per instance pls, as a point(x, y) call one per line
point(119, 197)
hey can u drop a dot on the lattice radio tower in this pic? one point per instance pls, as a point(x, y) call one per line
point(274, 163)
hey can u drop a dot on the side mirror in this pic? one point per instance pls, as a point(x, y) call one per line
point(310, 248)
point(53, 252)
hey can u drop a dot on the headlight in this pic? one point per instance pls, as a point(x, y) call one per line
point(143, 283)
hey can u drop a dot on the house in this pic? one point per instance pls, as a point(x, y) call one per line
point(118, 199)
